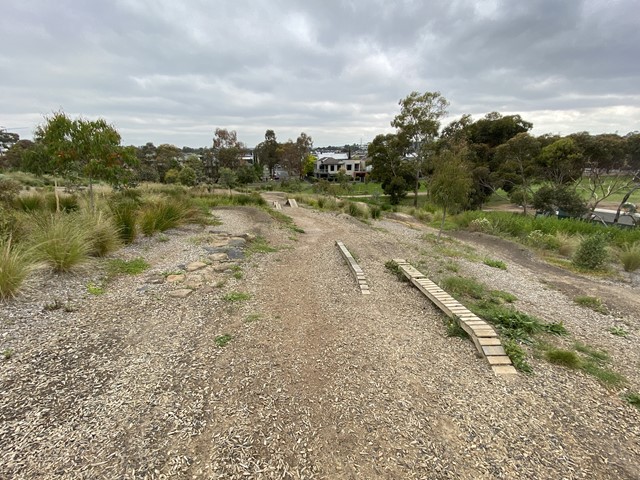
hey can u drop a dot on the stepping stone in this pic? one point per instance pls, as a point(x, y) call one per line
point(193, 266)
point(181, 293)
point(237, 242)
point(218, 257)
point(175, 278)
point(155, 279)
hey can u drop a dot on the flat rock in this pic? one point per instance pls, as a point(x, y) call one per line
point(175, 278)
point(218, 257)
point(193, 266)
point(155, 279)
point(235, 254)
point(181, 293)
point(237, 242)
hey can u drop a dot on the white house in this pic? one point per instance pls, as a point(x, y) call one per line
point(328, 167)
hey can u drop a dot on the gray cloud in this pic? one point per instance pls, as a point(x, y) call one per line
point(171, 72)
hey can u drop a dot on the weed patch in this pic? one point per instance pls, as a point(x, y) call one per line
point(95, 289)
point(618, 332)
point(223, 340)
point(259, 245)
point(594, 303)
point(237, 297)
point(633, 399)
point(136, 266)
point(495, 263)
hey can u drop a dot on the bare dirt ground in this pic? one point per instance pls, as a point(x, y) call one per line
point(317, 380)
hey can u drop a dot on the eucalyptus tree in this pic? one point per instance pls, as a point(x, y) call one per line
point(418, 124)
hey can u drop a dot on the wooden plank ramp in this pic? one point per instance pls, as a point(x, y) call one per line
point(483, 335)
point(355, 268)
point(277, 205)
point(292, 203)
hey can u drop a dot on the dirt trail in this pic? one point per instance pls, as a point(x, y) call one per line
point(318, 381)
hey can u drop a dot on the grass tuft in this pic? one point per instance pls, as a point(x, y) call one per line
point(495, 263)
point(565, 358)
point(15, 266)
point(630, 257)
point(118, 266)
point(594, 303)
point(237, 296)
point(61, 241)
point(223, 340)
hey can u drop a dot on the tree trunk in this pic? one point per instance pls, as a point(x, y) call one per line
point(444, 214)
point(624, 200)
point(91, 202)
point(56, 194)
point(416, 187)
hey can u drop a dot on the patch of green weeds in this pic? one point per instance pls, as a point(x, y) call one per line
point(586, 359)
point(517, 355)
point(253, 317)
point(283, 219)
point(618, 332)
point(118, 266)
point(163, 238)
point(394, 268)
point(237, 272)
point(259, 245)
point(495, 263)
point(95, 289)
point(237, 296)
point(633, 399)
point(7, 353)
point(594, 303)
point(220, 283)
point(451, 267)
point(223, 340)
point(454, 329)
point(464, 287)
point(500, 295)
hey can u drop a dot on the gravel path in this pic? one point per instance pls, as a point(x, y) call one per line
point(317, 380)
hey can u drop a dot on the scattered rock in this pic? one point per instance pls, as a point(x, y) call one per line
point(181, 293)
point(235, 254)
point(218, 257)
point(237, 242)
point(175, 278)
point(155, 279)
point(194, 281)
point(193, 266)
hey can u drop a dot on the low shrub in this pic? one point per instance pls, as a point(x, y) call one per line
point(539, 239)
point(30, 202)
point(495, 263)
point(592, 253)
point(9, 190)
point(567, 244)
point(124, 212)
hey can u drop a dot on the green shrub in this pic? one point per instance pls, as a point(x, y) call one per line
point(630, 257)
point(9, 190)
point(61, 240)
point(15, 266)
point(375, 211)
point(539, 239)
point(567, 244)
point(592, 253)
point(517, 355)
point(483, 225)
point(565, 358)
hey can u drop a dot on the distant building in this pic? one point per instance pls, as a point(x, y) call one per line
point(327, 167)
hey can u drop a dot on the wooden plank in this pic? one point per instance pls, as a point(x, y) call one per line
point(493, 350)
point(489, 341)
point(499, 360)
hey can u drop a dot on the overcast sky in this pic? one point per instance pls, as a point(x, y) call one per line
point(171, 71)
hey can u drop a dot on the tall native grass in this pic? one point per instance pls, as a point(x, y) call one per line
point(15, 265)
point(630, 257)
point(61, 240)
point(163, 213)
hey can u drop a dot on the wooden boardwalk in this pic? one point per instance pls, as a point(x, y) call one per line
point(355, 268)
point(481, 333)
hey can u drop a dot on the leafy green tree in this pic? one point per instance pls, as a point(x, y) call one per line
point(268, 151)
point(70, 148)
point(561, 162)
point(172, 176)
point(607, 171)
point(194, 162)
point(12, 158)
point(167, 158)
point(389, 167)
point(418, 123)
point(228, 178)
point(246, 174)
point(147, 163)
point(187, 176)
point(518, 165)
point(561, 198)
point(308, 165)
point(7, 140)
point(227, 149)
point(451, 183)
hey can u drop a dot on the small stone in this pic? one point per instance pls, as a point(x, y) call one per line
point(181, 293)
point(249, 237)
point(235, 254)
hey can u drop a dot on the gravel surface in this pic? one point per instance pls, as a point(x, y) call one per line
point(316, 380)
